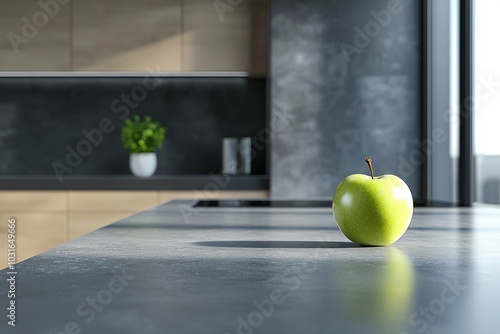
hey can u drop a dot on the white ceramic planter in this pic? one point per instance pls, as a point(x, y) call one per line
point(143, 164)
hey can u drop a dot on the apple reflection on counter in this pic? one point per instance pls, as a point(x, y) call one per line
point(376, 295)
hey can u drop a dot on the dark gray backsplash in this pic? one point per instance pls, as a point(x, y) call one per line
point(40, 117)
point(341, 111)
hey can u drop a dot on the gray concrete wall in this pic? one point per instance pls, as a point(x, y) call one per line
point(348, 81)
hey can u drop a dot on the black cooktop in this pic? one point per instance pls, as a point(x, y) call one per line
point(228, 203)
point(238, 203)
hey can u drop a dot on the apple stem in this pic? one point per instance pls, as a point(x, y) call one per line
point(369, 162)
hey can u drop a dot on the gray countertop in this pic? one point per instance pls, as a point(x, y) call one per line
point(173, 269)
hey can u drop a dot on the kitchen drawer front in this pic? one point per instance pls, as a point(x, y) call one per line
point(20, 200)
point(35, 233)
point(112, 201)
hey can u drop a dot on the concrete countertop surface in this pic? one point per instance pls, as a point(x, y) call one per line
point(175, 269)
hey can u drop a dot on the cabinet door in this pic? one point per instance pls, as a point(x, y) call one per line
point(90, 201)
point(133, 35)
point(35, 233)
point(216, 38)
point(91, 210)
point(33, 201)
point(35, 36)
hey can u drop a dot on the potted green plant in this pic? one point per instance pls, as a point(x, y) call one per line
point(141, 137)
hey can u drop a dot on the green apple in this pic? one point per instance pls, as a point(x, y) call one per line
point(373, 211)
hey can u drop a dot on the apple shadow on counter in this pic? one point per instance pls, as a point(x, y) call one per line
point(278, 244)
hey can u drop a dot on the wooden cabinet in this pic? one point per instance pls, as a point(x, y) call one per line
point(35, 37)
point(111, 201)
point(91, 210)
point(134, 36)
point(41, 221)
point(230, 36)
point(117, 35)
point(33, 201)
point(36, 232)
point(216, 40)
point(46, 219)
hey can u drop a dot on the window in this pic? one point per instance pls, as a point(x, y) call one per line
point(486, 62)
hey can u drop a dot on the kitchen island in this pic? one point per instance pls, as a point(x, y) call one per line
point(179, 269)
